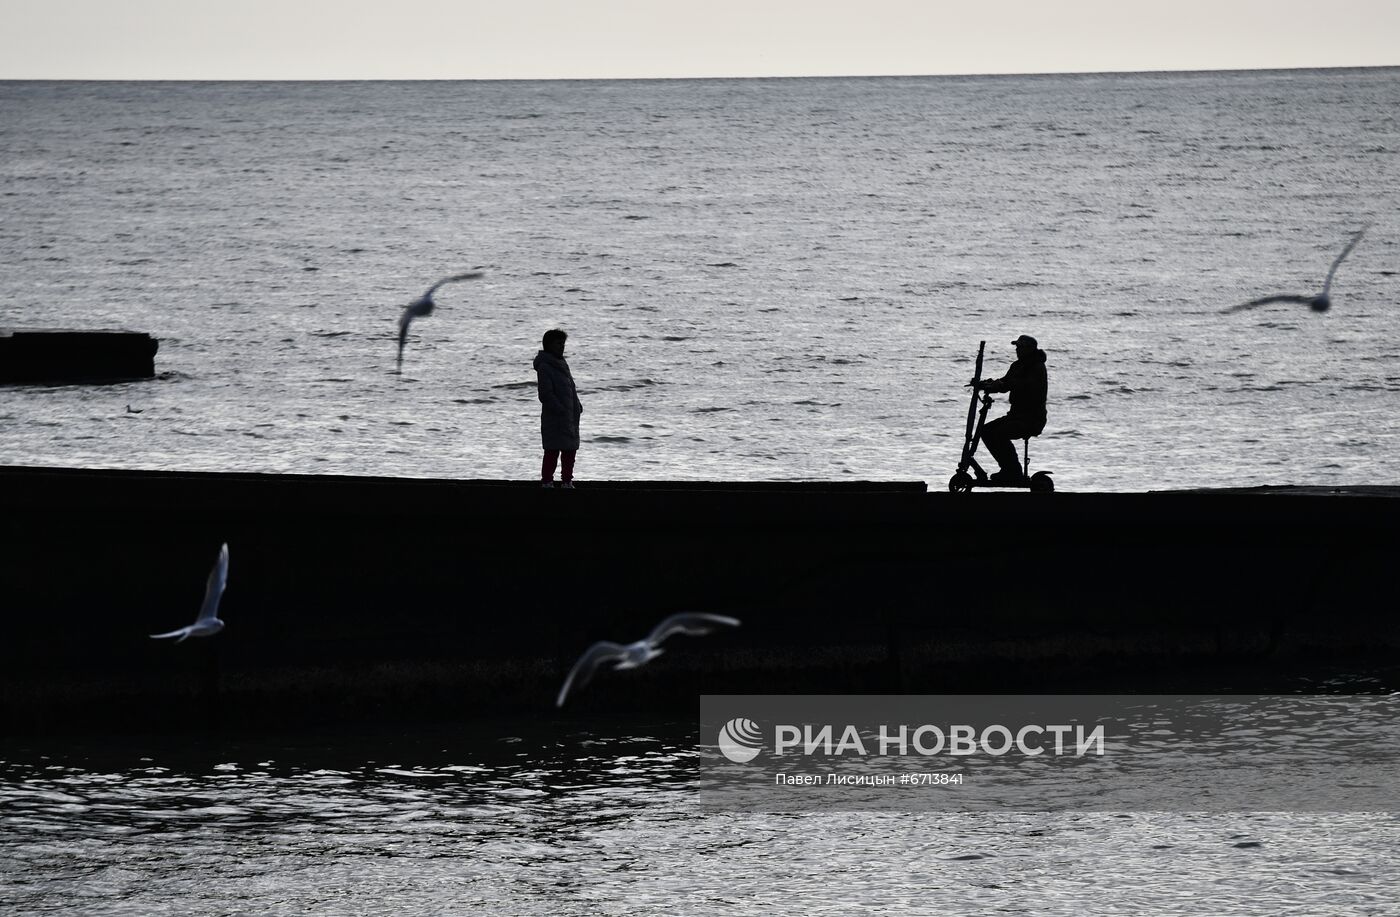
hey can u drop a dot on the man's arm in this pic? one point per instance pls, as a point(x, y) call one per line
point(997, 385)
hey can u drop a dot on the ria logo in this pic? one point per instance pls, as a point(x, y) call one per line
point(740, 740)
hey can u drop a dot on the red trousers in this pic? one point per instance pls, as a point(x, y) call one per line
point(551, 456)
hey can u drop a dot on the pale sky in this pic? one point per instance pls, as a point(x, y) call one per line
point(552, 39)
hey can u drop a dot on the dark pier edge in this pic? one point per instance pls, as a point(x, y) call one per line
point(371, 599)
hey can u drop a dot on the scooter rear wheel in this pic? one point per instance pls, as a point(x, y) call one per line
point(1042, 483)
point(960, 483)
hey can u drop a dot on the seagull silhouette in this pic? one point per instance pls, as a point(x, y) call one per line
point(1319, 303)
point(208, 623)
point(633, 655)
point(423, 305)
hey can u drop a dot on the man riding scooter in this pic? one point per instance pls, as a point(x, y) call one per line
point(1027, 383)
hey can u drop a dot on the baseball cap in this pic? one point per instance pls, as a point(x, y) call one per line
point(1027, 340)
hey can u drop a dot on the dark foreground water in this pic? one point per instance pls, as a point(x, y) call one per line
point(567, 818)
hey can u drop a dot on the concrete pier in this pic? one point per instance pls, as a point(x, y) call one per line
point(367, 599)
point(76, 356)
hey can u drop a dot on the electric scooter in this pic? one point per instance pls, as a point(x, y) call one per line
point(962, 482)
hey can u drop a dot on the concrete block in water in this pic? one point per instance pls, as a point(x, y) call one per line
point(76, 356)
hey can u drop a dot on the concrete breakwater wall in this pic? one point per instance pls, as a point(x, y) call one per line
point(370, 598)
point(76, 356)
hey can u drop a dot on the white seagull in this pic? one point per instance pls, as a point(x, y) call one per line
point(1319, 303)
point(423, 305)
point(643, 651)
point(208, 623)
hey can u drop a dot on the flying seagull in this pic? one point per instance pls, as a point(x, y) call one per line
point(423, 305)
point(1319, 303)
point(640, 653)
point(208, 623)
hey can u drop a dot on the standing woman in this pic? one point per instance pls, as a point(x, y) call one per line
point(559, 409)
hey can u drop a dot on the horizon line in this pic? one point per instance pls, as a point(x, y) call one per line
point(617, 79)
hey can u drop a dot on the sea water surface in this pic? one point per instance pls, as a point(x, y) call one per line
point(762, 279)
point(602, 818)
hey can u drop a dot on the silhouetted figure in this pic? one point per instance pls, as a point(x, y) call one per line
point(424, 305)
point(207, 624)
point(632, 655)
point(559, 409)
point(1027, 383)
point(1319, 303)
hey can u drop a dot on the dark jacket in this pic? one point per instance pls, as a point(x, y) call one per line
point(1028, 384)
point(559, 404)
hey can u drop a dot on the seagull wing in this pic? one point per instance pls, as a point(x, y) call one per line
point(404, 321)
point(469, 275)
point(218, 578)
point(182, 633)
point(423, 305)
point(1327, 284)
point(1264, 301)
point(692, 624)
point(597, 654)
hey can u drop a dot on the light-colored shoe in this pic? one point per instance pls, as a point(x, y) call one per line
point(568, 485)
point(547, 485)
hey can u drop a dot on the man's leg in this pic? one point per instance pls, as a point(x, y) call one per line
point(551, 458)
point(996, 436)
point(567, 472)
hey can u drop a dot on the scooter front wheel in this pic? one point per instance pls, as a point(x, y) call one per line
point(960, 483)
point(1042, 483)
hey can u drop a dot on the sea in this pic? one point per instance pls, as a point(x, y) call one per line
point(762, 280)
point(781, 279)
